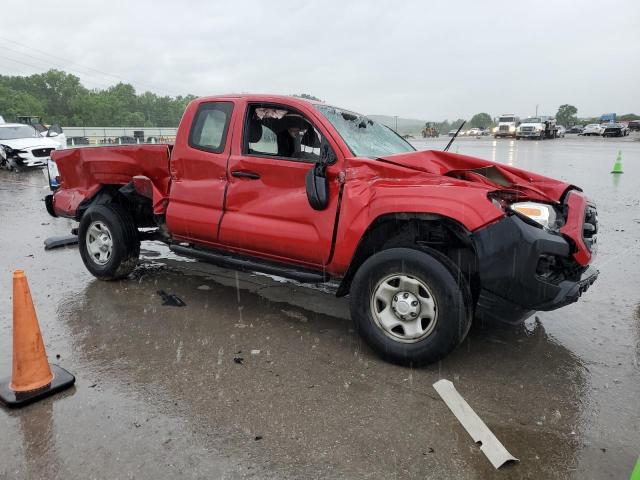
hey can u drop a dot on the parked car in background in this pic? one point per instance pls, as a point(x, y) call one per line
point(593, 129)
point(634, 125)
point(576, 129)
point(615, 130)
point(77, 141)
point(126, 140)
point(22, 146)
point(561, 131)
point(474, 132)
point(53, 132)
point(453, 132)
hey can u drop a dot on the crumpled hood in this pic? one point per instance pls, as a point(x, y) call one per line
point(20, 143)
point(494, 175)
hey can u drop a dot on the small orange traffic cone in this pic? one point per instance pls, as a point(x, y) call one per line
point(32, 377)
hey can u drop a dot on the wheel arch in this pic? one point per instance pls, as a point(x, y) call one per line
point(420, 231)
point(139, 205)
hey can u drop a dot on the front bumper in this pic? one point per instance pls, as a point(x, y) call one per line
point(27, 159)
point(532, 133)
point(515, 277)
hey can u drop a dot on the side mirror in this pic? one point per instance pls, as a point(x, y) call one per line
point(54, 130)
point(316, 179)
point(317, 187)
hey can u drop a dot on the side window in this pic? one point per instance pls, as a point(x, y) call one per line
point(278, 131)
point(210, 125)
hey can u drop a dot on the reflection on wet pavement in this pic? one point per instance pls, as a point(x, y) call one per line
point(159, 393)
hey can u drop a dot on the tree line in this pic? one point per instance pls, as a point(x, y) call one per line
point(59, 97)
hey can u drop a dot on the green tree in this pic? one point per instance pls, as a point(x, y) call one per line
point(567, 115)
point(14, 103)
point(61, 98)
point(481, 120)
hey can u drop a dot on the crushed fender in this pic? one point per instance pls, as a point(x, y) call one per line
point(489, 444)
point(60, 241)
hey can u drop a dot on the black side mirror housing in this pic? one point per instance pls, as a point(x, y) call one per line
point(316, 180)
point(317, 187)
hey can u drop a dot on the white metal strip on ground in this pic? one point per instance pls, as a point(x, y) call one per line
point(489, 444)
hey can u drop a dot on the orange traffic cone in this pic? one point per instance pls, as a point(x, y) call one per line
point(32, 377)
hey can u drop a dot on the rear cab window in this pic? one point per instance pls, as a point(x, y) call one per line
point(210, 126)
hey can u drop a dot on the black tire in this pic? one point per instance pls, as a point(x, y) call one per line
point(447, 287)
point(123, 234)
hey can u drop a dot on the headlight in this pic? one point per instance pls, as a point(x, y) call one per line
point(542, 214)
point(495, 129)
point(512, 128)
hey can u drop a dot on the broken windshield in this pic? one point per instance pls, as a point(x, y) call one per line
point(363, 136)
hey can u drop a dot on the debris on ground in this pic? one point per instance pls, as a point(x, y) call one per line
point(238, 360)
point(60, 241)
point(255, 352)
point(489, 444)
point(171, 299)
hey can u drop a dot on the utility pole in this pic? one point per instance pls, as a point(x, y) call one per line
point(396, 117)
point(536, 110)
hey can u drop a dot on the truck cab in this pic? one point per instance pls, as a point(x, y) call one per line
point(540, 127)
point(507, 124)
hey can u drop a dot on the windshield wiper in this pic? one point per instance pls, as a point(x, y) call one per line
point(454, 137)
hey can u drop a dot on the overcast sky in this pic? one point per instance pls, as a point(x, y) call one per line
point(426, 60)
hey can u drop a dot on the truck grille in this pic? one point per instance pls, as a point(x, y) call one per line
point(590, 227)
point(42, 152)
point(504, 128)
point(527, 129)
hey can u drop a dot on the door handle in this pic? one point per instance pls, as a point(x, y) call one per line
point(243, 174)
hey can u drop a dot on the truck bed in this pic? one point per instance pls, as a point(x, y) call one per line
point(87, 169)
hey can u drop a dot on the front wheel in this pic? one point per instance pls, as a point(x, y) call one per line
point(108, 241)
point(411, 307)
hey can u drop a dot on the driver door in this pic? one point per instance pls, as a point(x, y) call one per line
point(267, 212)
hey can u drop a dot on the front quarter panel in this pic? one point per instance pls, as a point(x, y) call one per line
point(375, 190)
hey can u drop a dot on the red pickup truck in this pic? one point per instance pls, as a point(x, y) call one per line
point(422, 241)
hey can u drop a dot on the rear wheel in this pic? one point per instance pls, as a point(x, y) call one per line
point(108, 241)
point(410, 306)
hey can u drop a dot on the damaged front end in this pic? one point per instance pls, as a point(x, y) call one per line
point(537, 257)
point(10, 158)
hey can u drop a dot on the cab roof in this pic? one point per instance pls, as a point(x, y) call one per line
point(260, 97)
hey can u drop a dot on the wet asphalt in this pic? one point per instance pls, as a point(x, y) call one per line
point(261, 378)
